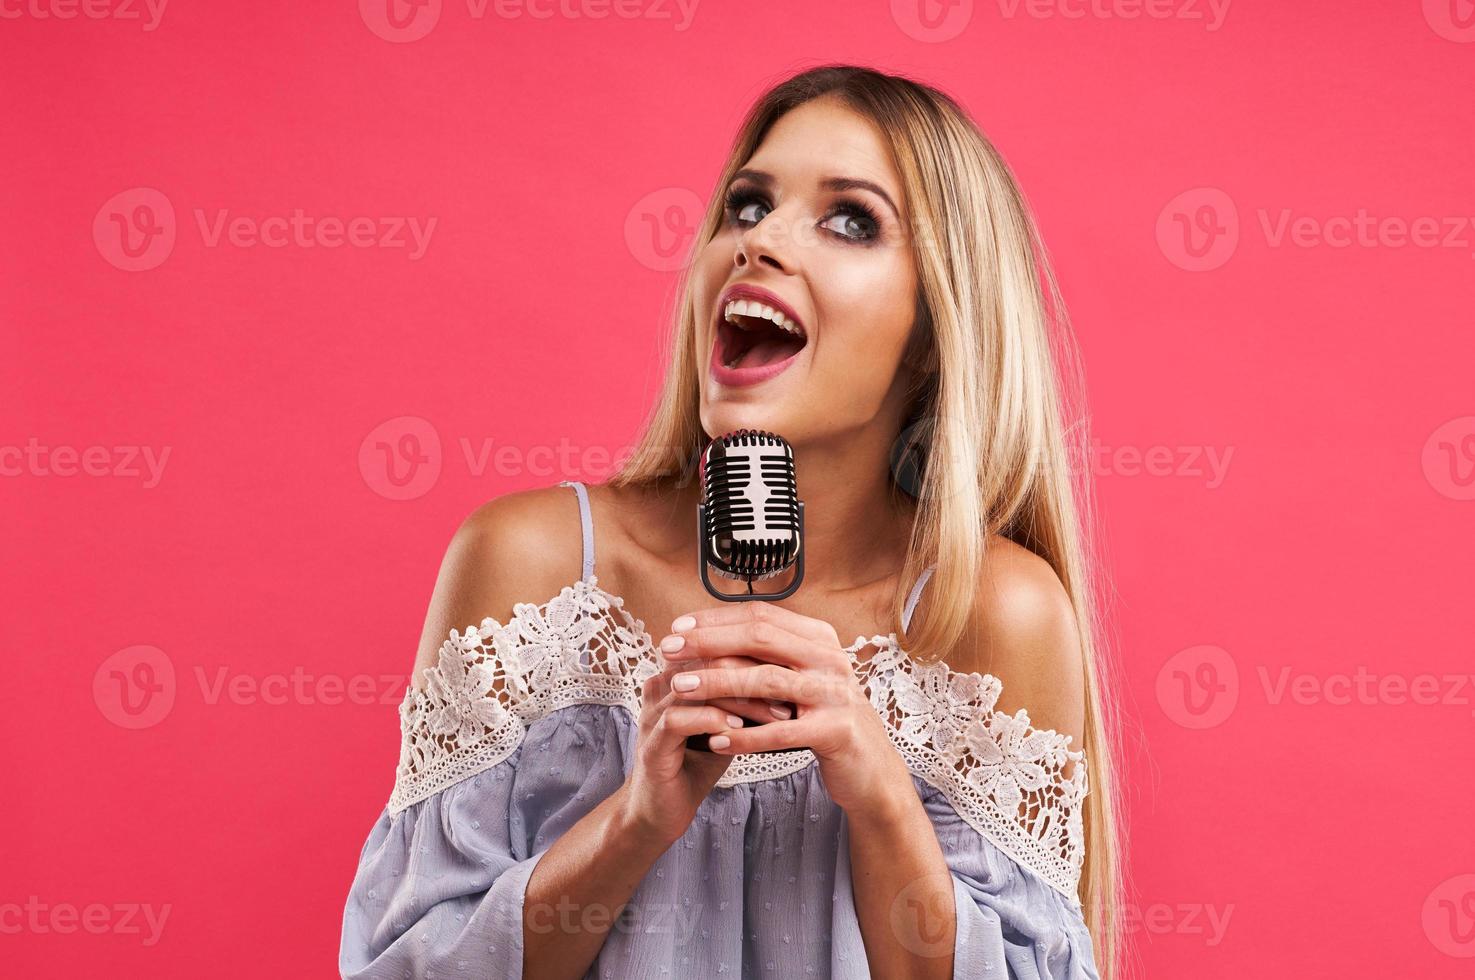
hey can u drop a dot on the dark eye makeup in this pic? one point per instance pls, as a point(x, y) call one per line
point(856, 211)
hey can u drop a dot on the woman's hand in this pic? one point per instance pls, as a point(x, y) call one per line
point(668, 781)
point(801, 661)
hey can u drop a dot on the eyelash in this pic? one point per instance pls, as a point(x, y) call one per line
point(738, 197)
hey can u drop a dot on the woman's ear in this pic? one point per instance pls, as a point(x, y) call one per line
point(917, 355)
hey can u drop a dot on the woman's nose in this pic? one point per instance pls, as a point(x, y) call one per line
point(766, 243)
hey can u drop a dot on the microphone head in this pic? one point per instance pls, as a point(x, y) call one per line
point(752, 528)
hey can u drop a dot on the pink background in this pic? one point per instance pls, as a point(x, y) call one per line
point(562, 160)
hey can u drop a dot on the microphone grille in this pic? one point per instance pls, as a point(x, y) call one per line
point(752, 504)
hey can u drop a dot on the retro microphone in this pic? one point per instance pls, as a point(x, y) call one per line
point(750, 521)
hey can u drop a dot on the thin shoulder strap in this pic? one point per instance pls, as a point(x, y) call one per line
point(587, 523)
point(906, 613)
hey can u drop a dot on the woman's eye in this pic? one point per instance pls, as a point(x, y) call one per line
point(851, 225)
point(751, 213)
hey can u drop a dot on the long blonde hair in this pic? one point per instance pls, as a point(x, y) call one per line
point(999, 373)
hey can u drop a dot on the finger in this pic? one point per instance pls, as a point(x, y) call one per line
point(759, 611)
point(767, 738)
point(762, 681)
point(759, 709)
point(652, 690)
point(763, 641)
point(681, 720)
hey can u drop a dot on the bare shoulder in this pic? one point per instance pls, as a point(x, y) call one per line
point(1025, 633)
point(523, 546)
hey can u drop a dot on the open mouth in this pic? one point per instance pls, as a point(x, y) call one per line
point(752, 334)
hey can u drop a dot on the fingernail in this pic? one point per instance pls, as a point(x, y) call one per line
point(683, 623)
point(685, 682)
point(673, 643)
point(733, 721)
point(719, 742)
point(779, 711)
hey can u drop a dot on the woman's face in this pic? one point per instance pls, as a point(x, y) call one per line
point(815, 230)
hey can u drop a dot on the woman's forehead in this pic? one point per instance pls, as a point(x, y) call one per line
point(824, 138)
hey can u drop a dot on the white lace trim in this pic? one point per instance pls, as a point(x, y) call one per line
point(1005, 778)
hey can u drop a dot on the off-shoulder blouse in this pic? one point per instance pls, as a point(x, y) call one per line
point(523, 727)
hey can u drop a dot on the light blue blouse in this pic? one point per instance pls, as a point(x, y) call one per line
point(523, 728)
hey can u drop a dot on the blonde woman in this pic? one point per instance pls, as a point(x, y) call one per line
point(867, 283)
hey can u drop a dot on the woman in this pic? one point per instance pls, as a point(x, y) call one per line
point(868, 278)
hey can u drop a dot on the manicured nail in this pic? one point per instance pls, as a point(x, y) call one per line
point(673, 643)
point(685, 682)
point(683, 623)
point(779, 710)
point(733, 721)
point(719, 742)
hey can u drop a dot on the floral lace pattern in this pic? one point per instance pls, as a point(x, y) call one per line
point(1018, 786)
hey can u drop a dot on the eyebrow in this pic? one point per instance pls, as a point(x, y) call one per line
point(829, 183)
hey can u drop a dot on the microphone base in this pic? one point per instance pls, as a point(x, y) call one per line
point(698, 743)
point(704, 560)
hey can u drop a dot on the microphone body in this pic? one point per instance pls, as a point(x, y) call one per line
point(750, 521)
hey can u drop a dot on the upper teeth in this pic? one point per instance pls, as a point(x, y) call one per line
point(747, 307)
